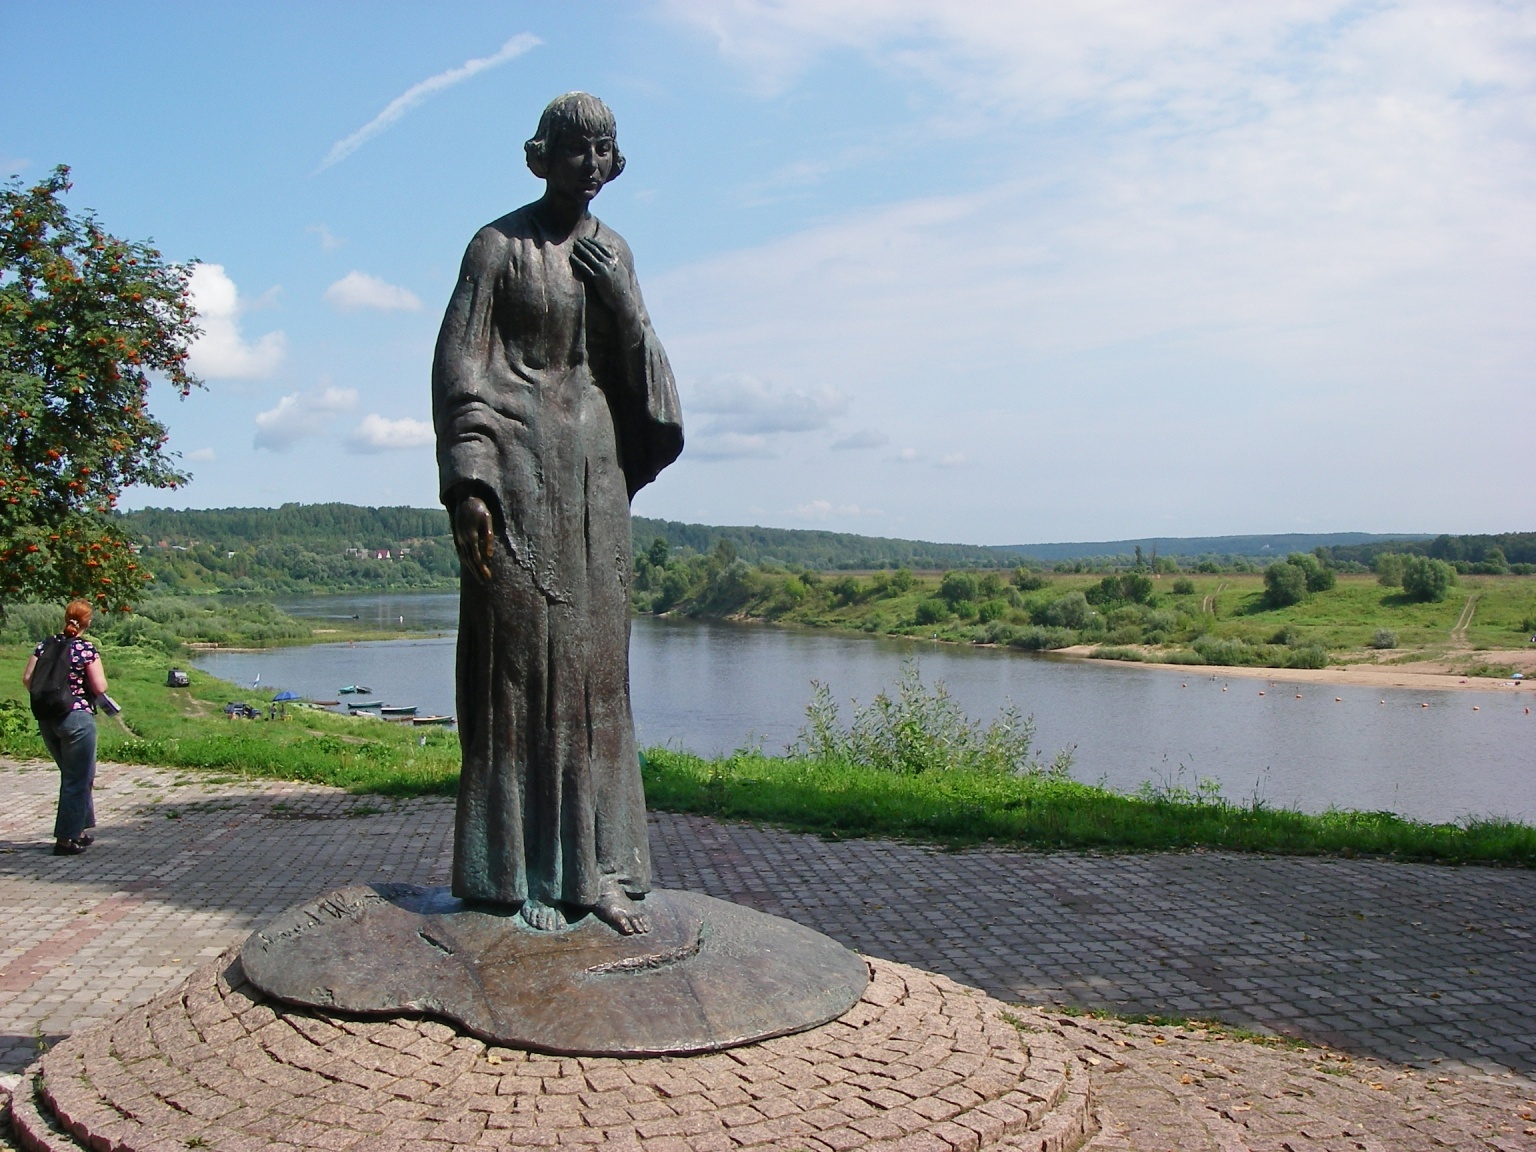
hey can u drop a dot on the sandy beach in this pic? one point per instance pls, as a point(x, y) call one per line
point(1440, 674)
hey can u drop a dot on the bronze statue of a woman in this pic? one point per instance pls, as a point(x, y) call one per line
point(554, 404)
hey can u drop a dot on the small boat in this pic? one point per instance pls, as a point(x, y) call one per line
point(324, 703)
point(353, 690)
point(398, 711)
point(365, 706)
point(431, 719)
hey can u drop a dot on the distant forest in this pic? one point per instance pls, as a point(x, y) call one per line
point(301, 548)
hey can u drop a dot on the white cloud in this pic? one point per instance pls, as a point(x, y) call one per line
point(301, 416)
point(1311, 214)
point(358, 290)
point(202, 455)
point(749, 406)
point(221, 352)
point(863, 438)
point(379, 434)
point(417, 93)
point(825, 510)
point(953, 460)
point(908, 455)
point(328, 240)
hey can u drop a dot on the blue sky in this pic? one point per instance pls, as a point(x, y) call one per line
point(989, 272)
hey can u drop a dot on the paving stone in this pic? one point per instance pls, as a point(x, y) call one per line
point(1429, 967)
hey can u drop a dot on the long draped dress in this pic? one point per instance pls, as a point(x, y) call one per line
point(541, 411)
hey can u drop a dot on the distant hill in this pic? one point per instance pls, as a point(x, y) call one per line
point(317, 547)
point(1281, 544)
point(814, 548)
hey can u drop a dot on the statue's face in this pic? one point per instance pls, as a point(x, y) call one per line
point(580, 165)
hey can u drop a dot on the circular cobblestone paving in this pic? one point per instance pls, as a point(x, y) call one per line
point(919, 1063)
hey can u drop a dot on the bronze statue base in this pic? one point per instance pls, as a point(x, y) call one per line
point(708, 975)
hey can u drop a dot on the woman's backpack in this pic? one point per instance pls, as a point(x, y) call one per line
point(50, 692)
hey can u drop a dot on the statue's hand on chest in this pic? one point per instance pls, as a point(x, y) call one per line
point(599, 267)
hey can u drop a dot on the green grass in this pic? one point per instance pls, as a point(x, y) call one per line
point(960, 808)
point(185, 728)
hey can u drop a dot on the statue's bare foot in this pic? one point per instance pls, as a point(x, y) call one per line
point(542, 916)
point(622, 913)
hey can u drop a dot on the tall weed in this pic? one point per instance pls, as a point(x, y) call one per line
point(920, 730)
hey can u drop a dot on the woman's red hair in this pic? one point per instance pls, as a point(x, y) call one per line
point(77, 617)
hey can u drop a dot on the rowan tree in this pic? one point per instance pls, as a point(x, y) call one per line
point(85, 318)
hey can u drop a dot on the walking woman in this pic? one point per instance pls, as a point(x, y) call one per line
point(68, 727)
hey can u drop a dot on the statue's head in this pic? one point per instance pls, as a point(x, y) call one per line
point(574, 117)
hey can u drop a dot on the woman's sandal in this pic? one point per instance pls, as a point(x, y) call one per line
point(68, 848)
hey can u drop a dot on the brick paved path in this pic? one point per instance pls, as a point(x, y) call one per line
point(1402, 962)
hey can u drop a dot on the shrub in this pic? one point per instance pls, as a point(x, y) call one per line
point(1039, 639)
point(1183, 586)
point(1388, 567)
point(1028, 580)
point(1218, 651)
point(1132, 655)
point(1384, 638)
point(958, 587)
point(31, 623)
point(847, 590)
point(1427, 580)
point(1129, 587)
point(989, 585)
point(1320, 577)
point(1309, 656)
point(1069, 611)
point(992, 610)
point(932, 611)
point(920, 731)
point(1285, 584)
point(674, 587)
point(1286, 635)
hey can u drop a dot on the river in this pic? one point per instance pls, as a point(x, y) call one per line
point(713, 687)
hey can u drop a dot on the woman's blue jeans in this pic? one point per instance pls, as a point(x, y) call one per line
point(72, 744)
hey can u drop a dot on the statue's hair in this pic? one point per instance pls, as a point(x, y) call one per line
point(578, 113)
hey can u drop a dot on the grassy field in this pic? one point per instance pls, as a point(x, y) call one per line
point(965, 808)
point(1212, 619)
point(186, 728)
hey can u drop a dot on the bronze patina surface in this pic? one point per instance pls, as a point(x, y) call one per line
point(708, 974)
point(554, 404)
